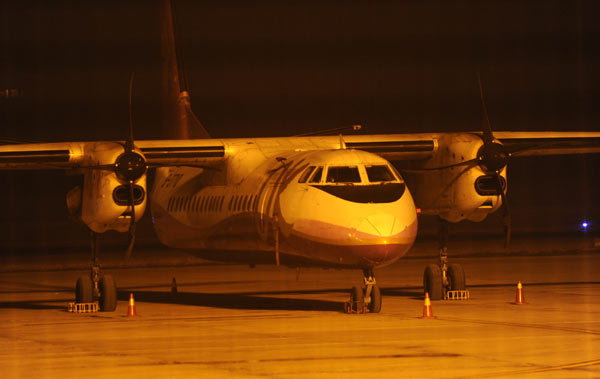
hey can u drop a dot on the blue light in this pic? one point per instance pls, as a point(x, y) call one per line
point(584, 225)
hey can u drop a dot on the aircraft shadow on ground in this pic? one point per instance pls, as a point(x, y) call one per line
point(59, 304)
point(234, 301)
point(263, 300)
point(412, 292)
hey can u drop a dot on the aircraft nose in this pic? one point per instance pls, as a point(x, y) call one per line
point(382, 225)
point(382, 238)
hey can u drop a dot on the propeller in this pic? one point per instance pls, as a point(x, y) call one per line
point(492, 158)
point(129, 167)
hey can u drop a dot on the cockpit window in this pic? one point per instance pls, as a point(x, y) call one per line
point(306, 174)
point(316, 178)
point(343, 175)
point(379, 174)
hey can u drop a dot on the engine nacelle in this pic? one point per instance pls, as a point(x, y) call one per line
point(103, 203)
point(455, 193)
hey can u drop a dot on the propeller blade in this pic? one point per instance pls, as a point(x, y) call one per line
point(488, 137)
point(506, 220)
point(470, 162)
point(129, 143)
point(132, 224)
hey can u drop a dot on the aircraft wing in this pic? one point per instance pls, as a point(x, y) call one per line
point(549, 143)
point(210, 152)
point(398, 147)
point(79, 155)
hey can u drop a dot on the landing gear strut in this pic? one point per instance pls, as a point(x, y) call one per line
point(368, 298)
point(443, 277)
point(96, 286)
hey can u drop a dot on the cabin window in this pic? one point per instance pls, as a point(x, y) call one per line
point(306, 174)
point(316, 177)
point(380, 173)
point(343, 174)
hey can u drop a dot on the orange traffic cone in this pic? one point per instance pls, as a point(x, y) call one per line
point(520, 299)
point(427, 313)
point(131, 309)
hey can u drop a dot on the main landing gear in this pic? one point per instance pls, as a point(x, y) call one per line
point(365, 299)
point(96, 286)
point(443, 277)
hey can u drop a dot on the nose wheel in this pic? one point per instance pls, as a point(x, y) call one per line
point(367, 299)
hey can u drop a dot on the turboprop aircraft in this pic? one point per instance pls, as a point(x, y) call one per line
point(344, 201)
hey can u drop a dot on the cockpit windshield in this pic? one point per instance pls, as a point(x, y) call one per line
point(306, 174)
point(342, 174)
point(316, 178)
point(379, 173)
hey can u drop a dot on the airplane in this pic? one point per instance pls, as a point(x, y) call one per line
point(341, 201)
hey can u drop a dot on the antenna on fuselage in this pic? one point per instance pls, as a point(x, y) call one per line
point(342, 142)
point(354, 128)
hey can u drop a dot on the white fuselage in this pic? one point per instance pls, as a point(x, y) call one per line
point(261, 204)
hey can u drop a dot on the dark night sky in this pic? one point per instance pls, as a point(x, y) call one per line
point(274, 68)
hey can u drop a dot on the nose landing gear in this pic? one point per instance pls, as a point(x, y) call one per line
point(366, 299)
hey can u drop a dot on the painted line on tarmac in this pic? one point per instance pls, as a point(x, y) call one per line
point(537, 370)
point(522, 325)
point(310, 358)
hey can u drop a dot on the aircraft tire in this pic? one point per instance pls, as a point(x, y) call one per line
point(83, 289)
point(357, 296)
point(456, 277)
point(432, 281)
point(108, 294)
point(375, 304)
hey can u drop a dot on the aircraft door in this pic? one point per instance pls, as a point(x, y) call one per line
point(267, 212)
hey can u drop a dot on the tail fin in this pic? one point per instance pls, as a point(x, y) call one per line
point(179, 121)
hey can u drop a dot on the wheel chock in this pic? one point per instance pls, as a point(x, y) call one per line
point(83, 307)
point(457, 295)
point(355, 307)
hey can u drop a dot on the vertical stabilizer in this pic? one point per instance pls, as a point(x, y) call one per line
point(179, 121)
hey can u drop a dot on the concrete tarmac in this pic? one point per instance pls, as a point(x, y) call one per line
point(233, 321)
